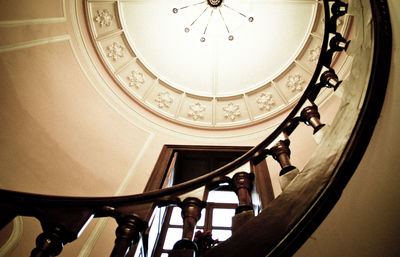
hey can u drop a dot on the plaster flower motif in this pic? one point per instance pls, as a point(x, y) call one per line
point(164, 99)
point(294, 82)
point(231, 111)
point(104, 17)
point(115, 51)
point(136, 79)
point(196, 110)
point(314, 54)
point(265, 102)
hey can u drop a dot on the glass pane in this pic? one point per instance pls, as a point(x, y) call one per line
point(222, 197)
point(222, 217)
point(202, 218)
point(176, 218)
point(221, 234)
point(173, 235)
point(164, 255)
point(162, 212)
point(153, 233)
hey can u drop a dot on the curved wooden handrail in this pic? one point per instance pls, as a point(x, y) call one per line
point(93, 202)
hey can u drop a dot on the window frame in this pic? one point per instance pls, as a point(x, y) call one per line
point(159, 248)
point(168, 157)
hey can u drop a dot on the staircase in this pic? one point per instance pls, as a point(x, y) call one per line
point(307, 195)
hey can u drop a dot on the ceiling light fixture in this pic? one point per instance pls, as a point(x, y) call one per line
point(213, 6)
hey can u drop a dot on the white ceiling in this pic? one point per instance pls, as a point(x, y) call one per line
point(260, 51)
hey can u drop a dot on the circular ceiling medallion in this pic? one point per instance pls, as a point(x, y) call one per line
point(211, 63)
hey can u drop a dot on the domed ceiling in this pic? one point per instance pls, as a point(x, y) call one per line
point(213, 63)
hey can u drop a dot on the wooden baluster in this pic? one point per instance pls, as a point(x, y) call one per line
point(310, 116)
point(339, 8)
point(191, 213)
point(328, 79)
point(60, 226)
point(243, 183)
point(128, 234)
point(49, 243)
point(281, 153)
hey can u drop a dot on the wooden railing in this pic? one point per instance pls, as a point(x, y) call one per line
point(64, 218)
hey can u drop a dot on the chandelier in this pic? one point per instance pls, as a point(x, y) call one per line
point(211, 7)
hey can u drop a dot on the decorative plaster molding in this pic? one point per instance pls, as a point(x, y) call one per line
point(294, 82)
point(231, 111)
point(136, 79)
point(196, 111)
point(33, 43)
point(265, 102)
point(115, 51)
point(118, 53)
point(164, 99)
point(104, 17)
point(313, 54)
